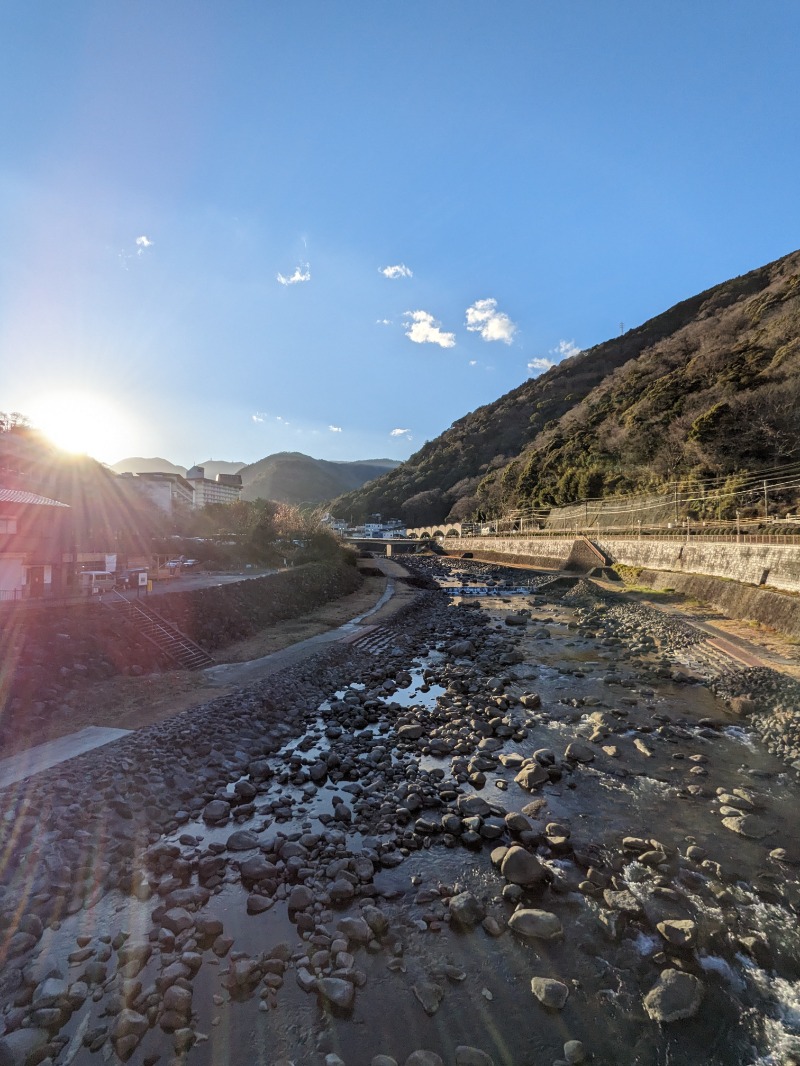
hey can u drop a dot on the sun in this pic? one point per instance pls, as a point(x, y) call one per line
point(84, 423)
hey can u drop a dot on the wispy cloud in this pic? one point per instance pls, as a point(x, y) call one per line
point(142, 244)
point(335, 429)
point(300, 274)
point(493, 325)
point(282, 420)
point(401, 433)
point(540, 364)
point(259, 416)
point(400, 270)
point(424, 329)
point(563, 350)
point(473, 362)
point(383, 322)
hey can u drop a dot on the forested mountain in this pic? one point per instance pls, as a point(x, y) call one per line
point(292, 477)
point(708, 388)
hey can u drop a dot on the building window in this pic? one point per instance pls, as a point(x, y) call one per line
point(8, 524)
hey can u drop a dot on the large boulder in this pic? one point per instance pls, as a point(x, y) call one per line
point(521, 867)
point(674, 996)
point(535, 925)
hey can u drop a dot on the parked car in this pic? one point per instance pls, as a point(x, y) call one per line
point(96, 581)
point(129, 579)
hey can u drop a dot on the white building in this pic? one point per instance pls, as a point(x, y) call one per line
point(166, 491)
point(225, 488)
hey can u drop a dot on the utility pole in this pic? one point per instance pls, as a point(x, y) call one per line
point(738, 527)
point(766, 509)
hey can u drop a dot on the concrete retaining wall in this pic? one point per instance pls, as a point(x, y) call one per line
point(755, 564)
point(734, 600)
point(777, 566)
point(551, 553)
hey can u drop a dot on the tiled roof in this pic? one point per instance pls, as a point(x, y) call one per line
point(19, 496)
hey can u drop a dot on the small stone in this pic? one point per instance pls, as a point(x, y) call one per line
point(336, 991)
point(680, 932)
point(550, 992)
point(466, 911)
point(429, 994)
point(574, 1052)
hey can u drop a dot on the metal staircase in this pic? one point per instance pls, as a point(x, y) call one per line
point(167, 638)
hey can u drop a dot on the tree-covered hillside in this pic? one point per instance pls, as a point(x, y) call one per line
point(708, 388)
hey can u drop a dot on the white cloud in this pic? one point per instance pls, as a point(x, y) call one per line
point(398, 271)
point(335, 429)
point(383, 322)
point(493, 325)
point(283, 422)
point(299, 275)
point(424, 329)
point(259, 416)
point(473, 362)
point(143, 243)
point(540, 364)
point(398, 432)
point(565, 349)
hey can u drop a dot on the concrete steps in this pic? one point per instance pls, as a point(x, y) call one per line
point(181, 649)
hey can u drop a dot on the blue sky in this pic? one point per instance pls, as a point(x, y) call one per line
point(197, 201)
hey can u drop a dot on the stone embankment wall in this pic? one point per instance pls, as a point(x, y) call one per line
point(551, 553)
point(756, 564)
point(48, 653)
point(221, 615)
point(774, 609)
point(777, 566)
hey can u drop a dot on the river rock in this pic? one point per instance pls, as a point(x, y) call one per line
point(338, 992)
point(258, 869)
point(535, 924)
point(300, 897)
point(465, 910)
point(577, 751)
point(216, 811)
point(472, 1056)
point(242, 840)
point(21, 1047)
point(429, 994)
point(675, 995)
point(574, 1052)
point(424, 1058)
point(680, 932)
point(550, 992)
point(520, 867)
point(747, 825)
point(531, 776)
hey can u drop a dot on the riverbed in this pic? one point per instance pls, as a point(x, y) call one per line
point(516, 831)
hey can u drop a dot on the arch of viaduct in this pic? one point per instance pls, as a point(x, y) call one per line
point(444, 529)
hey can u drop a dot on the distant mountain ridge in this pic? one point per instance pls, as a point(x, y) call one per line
point(293, 477)
point(289, 477)
point(138, 465)
point(708, 388)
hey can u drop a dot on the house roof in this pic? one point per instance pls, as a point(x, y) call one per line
point(20, 496)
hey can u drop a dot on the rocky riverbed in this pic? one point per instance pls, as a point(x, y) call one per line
point(518, 831)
